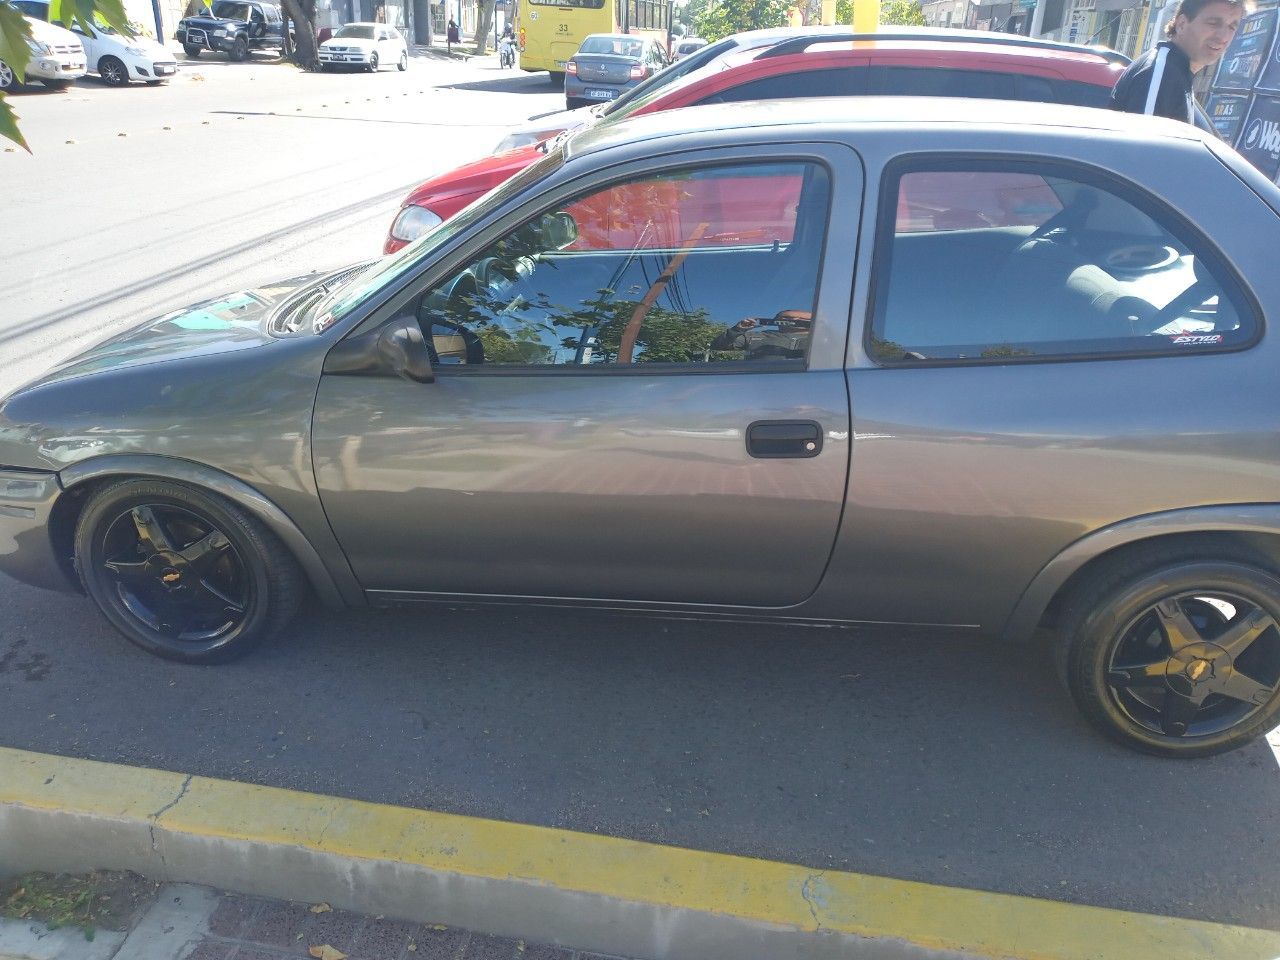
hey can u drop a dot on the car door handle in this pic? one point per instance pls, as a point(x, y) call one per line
point(784, 438)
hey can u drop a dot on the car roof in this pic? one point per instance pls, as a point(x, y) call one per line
point(362, 23)
point(611, 36)
point(871, 115)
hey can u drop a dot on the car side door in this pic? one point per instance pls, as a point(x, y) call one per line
point(638, 394)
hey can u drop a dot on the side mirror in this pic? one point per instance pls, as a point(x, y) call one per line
point(397, 348)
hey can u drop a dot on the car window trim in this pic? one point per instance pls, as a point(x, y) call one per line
point(1158, 209)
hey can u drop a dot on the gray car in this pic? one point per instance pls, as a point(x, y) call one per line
point(608, 65)
point(1000, 369)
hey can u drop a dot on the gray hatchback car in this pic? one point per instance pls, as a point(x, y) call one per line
point(997, 368)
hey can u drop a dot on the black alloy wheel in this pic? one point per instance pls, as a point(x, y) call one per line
point(113, 72)
point(403, 65)
point(8, 79)
point(1182, 660)
point(182, 573)
point(373, 62)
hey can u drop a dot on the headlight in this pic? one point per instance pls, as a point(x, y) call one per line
point(136, 51)
point(220, 32)
point(513, 140)
point(40, 49)
point(412, 222)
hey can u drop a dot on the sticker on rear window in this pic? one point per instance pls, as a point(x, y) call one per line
point(1196, 339)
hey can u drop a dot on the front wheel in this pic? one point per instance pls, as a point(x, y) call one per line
point(192, 51)
point(8, 79)
point(1177, 656)
point(56, 85)
point(183, 573)
point(403, 65)
point(240, 50)
point(373, 63)
point(113, 72)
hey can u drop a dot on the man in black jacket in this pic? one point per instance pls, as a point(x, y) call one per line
point(1159, 81)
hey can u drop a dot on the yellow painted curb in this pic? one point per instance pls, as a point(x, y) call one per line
point(754, 891)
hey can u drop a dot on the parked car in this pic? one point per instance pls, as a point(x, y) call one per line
point(685, 47)
point(365, 46)
point(878, 360)
point(57, 58)
point(607, 64)
point(234, 27)
point(116, 59)
point(815, 64)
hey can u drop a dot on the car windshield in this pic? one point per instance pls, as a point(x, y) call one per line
point(354, 31)
point(364, 285)
point(619, 46)
point(33, 9)
point(231, 11)
point(689, 46)
point(664, 78)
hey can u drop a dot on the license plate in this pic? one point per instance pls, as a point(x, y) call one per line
point(164, 71)
point(601, 94)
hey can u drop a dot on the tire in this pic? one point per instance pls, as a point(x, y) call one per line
point(113, 72)
point(56, 85)
point(156, 83)
point(192, 51)
point(373, 62)
point(239, 50)
point(557, 79)
point(1175, 652)
point(572, 103)
point(8, 79)
point(182, 573)
point(403, 65)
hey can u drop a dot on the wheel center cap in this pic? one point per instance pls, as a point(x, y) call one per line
point(169, 570)
point(1194, 664)
point(1195, 670)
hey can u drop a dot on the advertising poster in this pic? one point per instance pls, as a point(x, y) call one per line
point(1227, 111)
point(1259, 141)
point(1249, 52)
point(1269, 81)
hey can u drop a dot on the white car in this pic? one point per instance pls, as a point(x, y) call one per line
point(685, 47)
point(57, 57)
point(365, 45)
point(117, 59)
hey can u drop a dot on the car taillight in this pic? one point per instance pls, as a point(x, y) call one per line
point(638, 71)
point(571, 67)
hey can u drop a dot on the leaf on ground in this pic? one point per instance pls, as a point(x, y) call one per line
point(321, 908)
point(326, 952)
point(436, 926)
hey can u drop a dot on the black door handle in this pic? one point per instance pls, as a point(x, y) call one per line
point(784, 438)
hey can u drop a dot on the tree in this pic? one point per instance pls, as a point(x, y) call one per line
point(15, 43)
point(718, 20)
point(898, 13)
point(302, 14)
point(484, 27)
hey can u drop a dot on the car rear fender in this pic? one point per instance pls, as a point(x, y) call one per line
point(1258, 523)
point(322, 579)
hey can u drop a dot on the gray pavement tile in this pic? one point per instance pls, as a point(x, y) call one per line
point(542, 951)
point(210, 950)
point(383, 939)
point(432, 944)
point(278, 924)
point(234, 911)
point(337, 928)
point(484, 946)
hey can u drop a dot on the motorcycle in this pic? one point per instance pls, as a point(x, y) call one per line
point(507, 52)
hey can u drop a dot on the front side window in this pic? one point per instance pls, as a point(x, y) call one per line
point(692, 267)
point(979, 262)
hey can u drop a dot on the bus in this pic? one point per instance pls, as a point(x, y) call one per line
point(549, 32)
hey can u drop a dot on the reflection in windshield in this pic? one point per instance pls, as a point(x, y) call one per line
point(354, 31)
point(385, 273)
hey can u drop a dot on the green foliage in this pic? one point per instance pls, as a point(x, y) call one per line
point(9, 126)
point(898, 13)
point(14, 35)
point(721, 19)
point(83, 12)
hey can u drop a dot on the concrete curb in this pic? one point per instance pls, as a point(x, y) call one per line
point(564, 888)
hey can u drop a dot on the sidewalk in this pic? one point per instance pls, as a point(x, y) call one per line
point(183, 921)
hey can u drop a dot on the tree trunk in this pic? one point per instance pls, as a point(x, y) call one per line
point(303, 14)
point(484, 27)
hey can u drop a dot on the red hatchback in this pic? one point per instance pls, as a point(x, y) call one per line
point(931, 63)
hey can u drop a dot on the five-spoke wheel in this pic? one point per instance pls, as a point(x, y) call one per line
point(183, 573)
point(1180, 658)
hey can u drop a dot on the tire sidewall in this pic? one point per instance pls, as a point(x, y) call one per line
point(91, 530)
point(123, 75)
point(1100, 630)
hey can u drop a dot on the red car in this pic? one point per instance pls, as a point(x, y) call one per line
point(937, 63)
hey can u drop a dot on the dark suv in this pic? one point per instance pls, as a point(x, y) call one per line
point(235, 28)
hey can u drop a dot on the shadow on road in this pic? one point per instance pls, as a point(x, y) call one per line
point(519, 83)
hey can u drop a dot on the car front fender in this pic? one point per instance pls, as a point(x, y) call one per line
point(328, 586)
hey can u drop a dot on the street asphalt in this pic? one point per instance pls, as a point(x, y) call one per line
point(916, 757)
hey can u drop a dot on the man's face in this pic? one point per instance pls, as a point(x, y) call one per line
point(1205, 38)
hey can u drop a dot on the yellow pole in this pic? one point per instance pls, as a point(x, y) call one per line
point(828, 13)
point(866, 16)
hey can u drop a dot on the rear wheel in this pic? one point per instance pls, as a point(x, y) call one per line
point(572, 103)
point(192, 51)
point(113, 72)
point(182, 573)
point(1176, 654)
point(557, 78)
